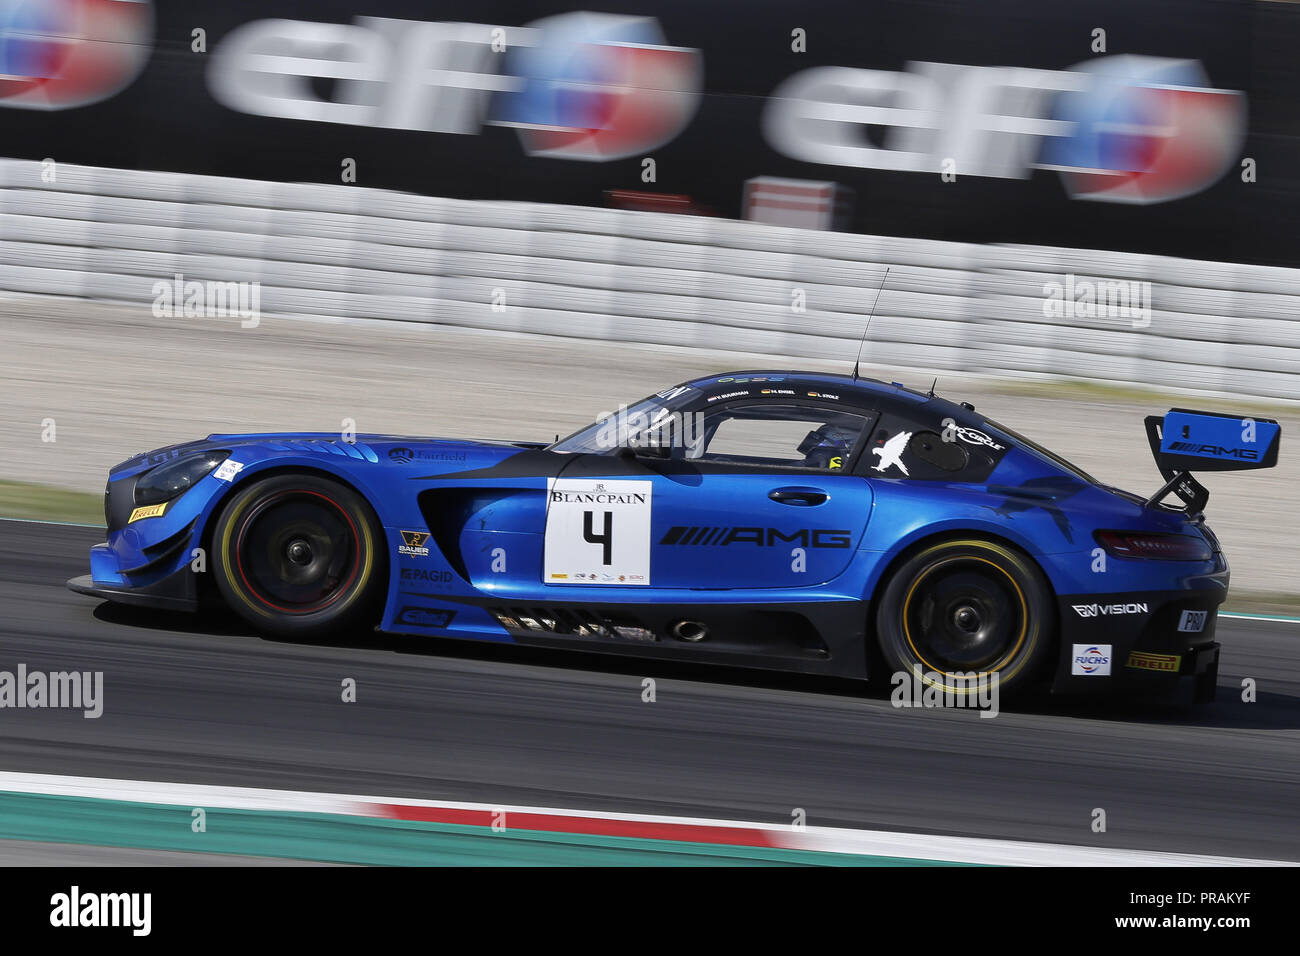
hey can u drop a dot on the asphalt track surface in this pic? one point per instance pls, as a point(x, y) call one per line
point(190, 700)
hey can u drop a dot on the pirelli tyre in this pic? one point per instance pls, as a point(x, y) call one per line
point(300, 555)
point(961, 610)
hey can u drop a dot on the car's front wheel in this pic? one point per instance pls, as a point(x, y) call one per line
point(959, 611)
point(299, 555)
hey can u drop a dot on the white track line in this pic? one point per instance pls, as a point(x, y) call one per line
point(912, 846)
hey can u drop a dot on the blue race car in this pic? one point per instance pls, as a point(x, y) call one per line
point(817, 523)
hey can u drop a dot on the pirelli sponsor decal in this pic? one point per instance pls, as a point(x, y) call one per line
point(1144, 661)
point(148, 511)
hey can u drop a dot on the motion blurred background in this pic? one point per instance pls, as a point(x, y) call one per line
point(504, 217)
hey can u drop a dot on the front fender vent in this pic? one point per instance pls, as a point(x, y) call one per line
point(326, 446)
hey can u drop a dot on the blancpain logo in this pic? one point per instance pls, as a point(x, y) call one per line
point(1107, 610)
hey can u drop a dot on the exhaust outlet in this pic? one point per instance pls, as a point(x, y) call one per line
point(689, 631)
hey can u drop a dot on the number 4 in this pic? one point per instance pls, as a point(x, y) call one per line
point(605, 538)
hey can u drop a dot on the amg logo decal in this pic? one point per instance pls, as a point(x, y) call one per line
point(1218, 451)
point(761, 537)
point(1108, 610)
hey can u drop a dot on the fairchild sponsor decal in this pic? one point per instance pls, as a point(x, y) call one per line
point(1154, 662)
point(1090, 660)
point(1108, 610)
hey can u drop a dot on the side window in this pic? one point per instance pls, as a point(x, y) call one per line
point(781, 436)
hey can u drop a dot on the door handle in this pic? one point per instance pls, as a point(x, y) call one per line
point(798, 496)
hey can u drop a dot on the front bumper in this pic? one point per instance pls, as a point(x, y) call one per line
point(176, 593)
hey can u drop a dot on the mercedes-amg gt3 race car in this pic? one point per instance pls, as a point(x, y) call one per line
point(804, 522)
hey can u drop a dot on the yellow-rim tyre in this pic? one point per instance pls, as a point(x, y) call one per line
point(960, 612)
point(298, 554)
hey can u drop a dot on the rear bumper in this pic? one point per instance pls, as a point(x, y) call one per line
point(1146, 644)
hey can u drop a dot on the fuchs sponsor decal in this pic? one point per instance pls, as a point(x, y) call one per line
point(1090, 660)
point(1192, 622)
point(413, 544)
point(433, 617)
point(1141, 660)
point(227, 470)
point(148, 511)
point(1216, 451)
point(1108, 610)
point(426, 576)
point(703, 536)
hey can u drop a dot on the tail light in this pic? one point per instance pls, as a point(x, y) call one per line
point(1145, 544)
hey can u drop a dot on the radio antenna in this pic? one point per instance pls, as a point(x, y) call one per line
point(867, 328)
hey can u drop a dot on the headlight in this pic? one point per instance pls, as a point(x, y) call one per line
point(175, 478)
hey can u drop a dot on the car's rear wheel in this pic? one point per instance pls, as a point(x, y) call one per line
point(959, 611)
point(299, 555)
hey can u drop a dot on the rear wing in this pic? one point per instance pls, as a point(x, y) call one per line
point(1183, 439)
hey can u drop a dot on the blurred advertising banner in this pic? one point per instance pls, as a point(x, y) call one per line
point(1160, 126)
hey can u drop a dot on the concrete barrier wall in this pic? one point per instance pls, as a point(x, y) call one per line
point(343, 251)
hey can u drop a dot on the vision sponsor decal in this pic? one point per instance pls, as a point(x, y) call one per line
point(698, 536)
point(1090, 660)
point(1108, 610)
point(1143, 661)
point(891, 453)
point(148, 511)
point(414, 544)
point(1192, 622)
point(430, 617)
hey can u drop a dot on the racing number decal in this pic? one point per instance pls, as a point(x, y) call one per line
point(605, 538)
point(597, 532)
